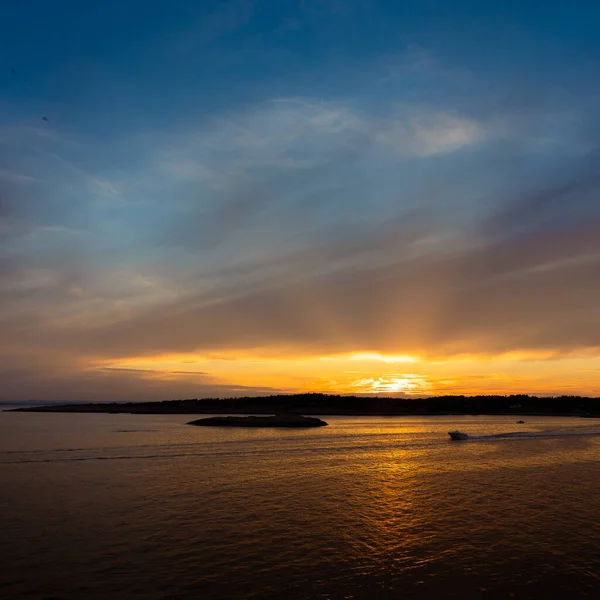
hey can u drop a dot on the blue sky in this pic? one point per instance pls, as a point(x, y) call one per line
point(172, 174)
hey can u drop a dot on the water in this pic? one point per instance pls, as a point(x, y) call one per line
point(143, 506)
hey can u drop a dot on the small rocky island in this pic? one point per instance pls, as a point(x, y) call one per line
point(262, 421)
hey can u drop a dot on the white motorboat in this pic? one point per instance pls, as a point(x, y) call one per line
point(457, 435)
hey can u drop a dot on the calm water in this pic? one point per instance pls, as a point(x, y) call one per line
point(135, 506)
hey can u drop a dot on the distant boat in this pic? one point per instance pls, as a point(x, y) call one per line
point(520, 422)
point(457, 435)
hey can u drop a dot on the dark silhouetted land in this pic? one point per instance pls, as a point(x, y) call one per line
point(285, 420)
point(326, 404)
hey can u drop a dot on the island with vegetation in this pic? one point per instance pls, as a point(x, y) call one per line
point(285, 420)
point(331, 404)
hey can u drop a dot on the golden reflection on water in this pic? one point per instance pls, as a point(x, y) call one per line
point(144, 506)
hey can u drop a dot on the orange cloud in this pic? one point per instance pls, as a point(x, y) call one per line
point(369, 373)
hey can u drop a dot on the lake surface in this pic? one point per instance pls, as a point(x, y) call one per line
point(145, 506)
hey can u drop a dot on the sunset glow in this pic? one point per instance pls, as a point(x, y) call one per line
point(299, 212)
point(363, 373)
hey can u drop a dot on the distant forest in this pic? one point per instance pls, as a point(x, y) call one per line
point(327, 404)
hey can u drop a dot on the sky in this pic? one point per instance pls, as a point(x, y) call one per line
point(241, 197)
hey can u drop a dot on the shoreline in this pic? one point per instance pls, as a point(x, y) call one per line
point(331, 405)
point(311, 413)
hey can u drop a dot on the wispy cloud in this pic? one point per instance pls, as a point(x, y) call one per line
point(436, 217)
point(422, 132)
point(155, 371)
point(13, 177)
point(298, 133)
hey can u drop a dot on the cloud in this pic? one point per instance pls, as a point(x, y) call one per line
point(304, 165)
point(155, 371)
point(87, 385)
point(300, 133)
point(302, 227)
point(15, 177)
point(535, 290)
point(422, 132)
point(560, 202)
point(289, 235)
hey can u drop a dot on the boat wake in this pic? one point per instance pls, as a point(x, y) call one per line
point(551, 433)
